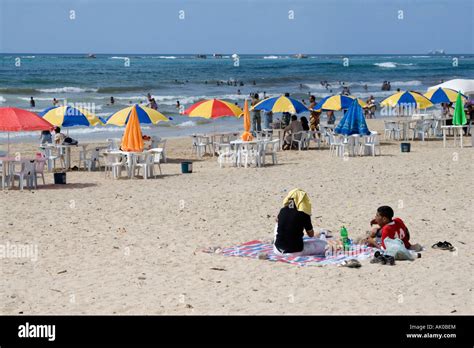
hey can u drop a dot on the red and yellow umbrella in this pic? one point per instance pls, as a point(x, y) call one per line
point(213, 108)
point(132, 140)
point(246, 135)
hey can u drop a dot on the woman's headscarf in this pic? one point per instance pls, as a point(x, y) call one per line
point(301, 200)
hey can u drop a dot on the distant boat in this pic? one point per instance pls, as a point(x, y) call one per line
point(201, 56)
point(301, 56)
point(90, 55)
point(217, 55)
point(438, 52)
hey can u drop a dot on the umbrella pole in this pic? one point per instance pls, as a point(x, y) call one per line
point(8, 145)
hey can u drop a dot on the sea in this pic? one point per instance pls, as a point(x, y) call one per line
point(84, 81)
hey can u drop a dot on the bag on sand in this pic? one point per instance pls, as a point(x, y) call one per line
point(396, 248)
point(70, 141)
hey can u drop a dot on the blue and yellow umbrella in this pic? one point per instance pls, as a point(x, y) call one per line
point(69, 116)
point(145, 115)
point(281, 104)
point(337, 102)
point(443, 95)
point(407, 98)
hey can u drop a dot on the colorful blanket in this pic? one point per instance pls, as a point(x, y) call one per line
point(256, 249)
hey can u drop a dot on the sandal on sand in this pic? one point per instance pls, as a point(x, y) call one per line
point(352, 263)
point(443, 246)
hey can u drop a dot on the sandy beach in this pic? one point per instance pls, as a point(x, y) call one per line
point(134, 246)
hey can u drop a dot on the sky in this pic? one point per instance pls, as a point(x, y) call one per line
point(236, 26)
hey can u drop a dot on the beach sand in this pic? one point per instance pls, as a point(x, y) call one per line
point(133, 246)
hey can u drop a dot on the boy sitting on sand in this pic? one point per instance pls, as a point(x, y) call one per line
point(388, 227)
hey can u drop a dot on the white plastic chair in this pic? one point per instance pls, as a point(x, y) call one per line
point(271, 149)
point(25, 173)
point(203, 145)
point(336, 144)
point(421, 129)
point(249, 153)
point(372, 142)
point(115, 163)
point(160, 150)
point(157, 154)
point(225, 154)
point(39, 168)
point(146, 162)
point(314, 136)
point(392, 129)
point(300, 138)
point(51, 158)
point(91, 159)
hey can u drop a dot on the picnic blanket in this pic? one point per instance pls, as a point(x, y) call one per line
point(255, 248)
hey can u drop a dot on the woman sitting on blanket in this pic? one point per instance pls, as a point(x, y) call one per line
point(293, 219)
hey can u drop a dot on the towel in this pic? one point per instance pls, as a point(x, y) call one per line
point(255, 249)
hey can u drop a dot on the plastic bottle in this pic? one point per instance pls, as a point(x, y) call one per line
point(344, 238)
point(322, 234)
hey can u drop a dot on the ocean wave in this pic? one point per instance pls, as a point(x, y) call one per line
point(2, 99)
point(166, 57)
point(118, 89)
point(386, 65)
point(187, 124)
point(271, 57)
point(116, 57)
point(391, 64)
point(37, 98)
point(67, 90)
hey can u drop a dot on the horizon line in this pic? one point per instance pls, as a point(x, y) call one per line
point(266, 53)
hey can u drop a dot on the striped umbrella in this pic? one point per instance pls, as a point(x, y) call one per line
point(406, 98)
point(145, 115)
point(69, 116)
point(281, 104)
point(213, 108)
point(442, 95)
point(337, 102)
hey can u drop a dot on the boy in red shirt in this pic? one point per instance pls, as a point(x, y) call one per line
point(389, 227)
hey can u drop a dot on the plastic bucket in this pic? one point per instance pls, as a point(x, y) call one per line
point(405, 147)
point(186, 167)
point(60, 178)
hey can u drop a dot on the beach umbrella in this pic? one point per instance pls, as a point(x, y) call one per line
point(459, 116)
point(442, 95)
point(246, 136)
point(281, 104)
point(406, 98)
point(353, 121)
point(337, 102)
point(145, 115)
point(19, 120)
point(213, 108)
point(132, 140)
point(465, 86)
point(69, 116)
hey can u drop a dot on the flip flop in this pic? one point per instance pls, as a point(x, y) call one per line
point(443, 246)
point(352, 263)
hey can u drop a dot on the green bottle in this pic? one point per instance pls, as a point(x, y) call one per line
point(345, 238)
